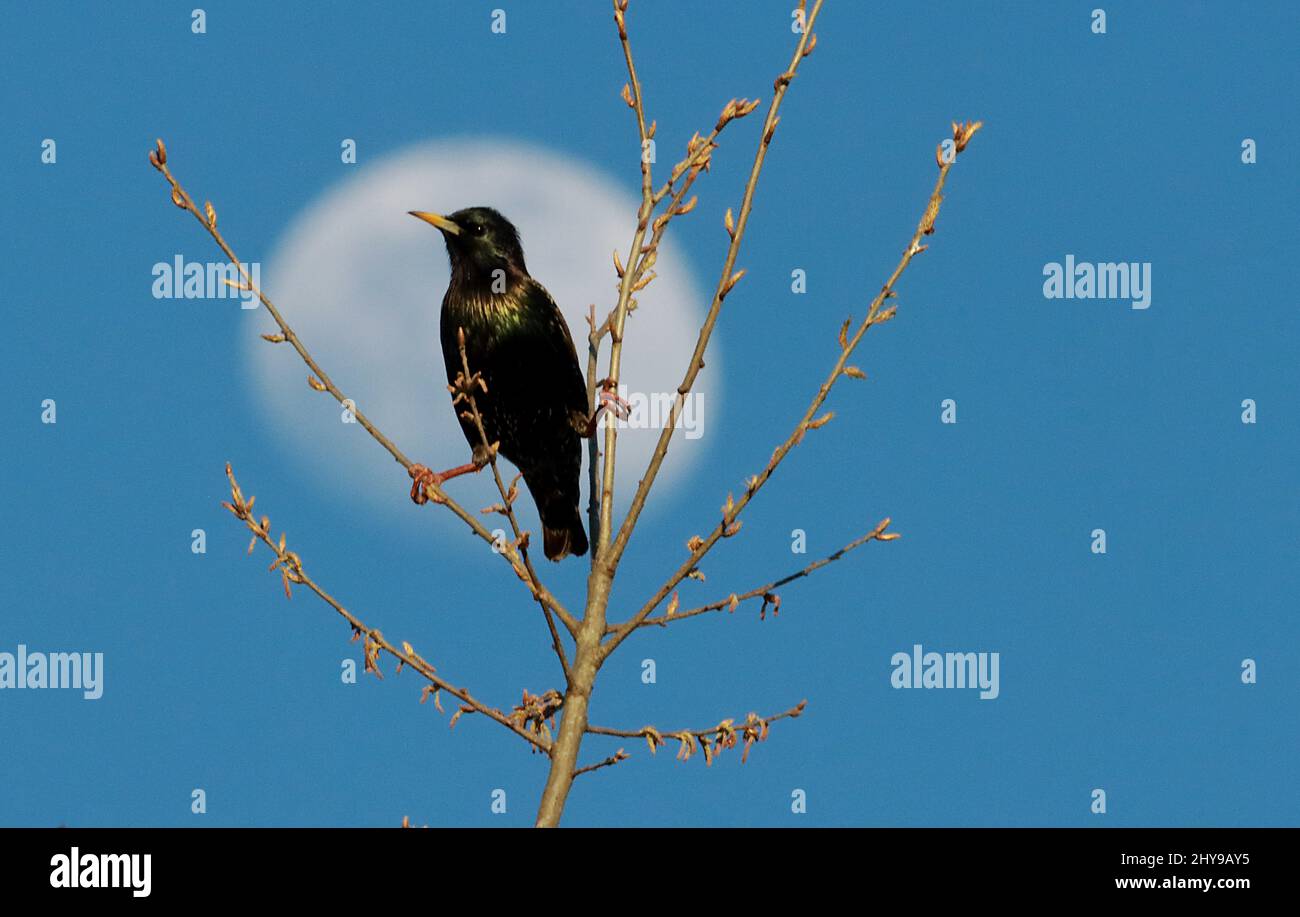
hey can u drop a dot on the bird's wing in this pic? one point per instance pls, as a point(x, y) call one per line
point(558, 355)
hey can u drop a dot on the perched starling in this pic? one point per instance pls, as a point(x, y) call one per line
point(516, 339)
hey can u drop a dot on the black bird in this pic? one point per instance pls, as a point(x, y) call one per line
point(517, 340)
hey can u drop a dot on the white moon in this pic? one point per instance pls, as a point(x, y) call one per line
point(362, 284)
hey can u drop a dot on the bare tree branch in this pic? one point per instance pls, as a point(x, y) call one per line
point(766, 590)
point(613, 759)
point(752, 729)
point(728, 525)
point(593, 449)
point(696, 160)
point(633, 96)
point(292, 573)
point(726, 282)
point(590, 654)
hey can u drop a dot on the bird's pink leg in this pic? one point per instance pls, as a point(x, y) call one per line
point(422, 475)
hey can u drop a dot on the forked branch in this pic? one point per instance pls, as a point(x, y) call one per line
point(727, 280)
point(728, 524)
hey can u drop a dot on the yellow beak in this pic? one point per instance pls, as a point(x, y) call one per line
point(434, 219)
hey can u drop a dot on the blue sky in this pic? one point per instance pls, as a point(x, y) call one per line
point(1118, 671)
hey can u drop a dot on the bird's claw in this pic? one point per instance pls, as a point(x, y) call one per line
point(611, 402)
point(423, 477)
point(608, 401)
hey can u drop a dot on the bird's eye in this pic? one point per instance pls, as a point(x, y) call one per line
point(478, 229)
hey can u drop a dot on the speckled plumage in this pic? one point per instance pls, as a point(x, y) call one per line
point(517, 339)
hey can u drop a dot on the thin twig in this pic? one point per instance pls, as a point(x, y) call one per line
point(699, 152)
point(766, 590)
point(593, 447)
point(633, 96)
point(725, 735)
point(292, 573)
point(613, 759)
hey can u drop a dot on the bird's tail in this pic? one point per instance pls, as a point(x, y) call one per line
point(562, 531)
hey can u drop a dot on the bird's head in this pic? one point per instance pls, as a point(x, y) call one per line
point(479, 240)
